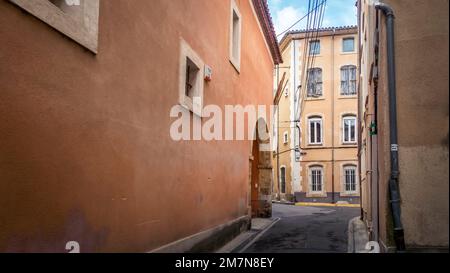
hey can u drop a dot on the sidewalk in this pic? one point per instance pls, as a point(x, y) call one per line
point(245, 239)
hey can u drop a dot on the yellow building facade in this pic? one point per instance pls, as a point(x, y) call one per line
point(317, 135)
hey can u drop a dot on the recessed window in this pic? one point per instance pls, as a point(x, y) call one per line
point(315, 130)
point(191, 79)
point(350, 179)
point(192, 75)
point(316, 179)
point(285, 138)
point(314, 82)
point(348, 45)
point(349, 129)
point(283, 179)
point(78, 19)
point(314, 47)
point(348, 80)
point(235, 36)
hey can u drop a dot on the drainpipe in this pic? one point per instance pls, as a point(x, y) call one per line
point(393, 181)
point(333, 200)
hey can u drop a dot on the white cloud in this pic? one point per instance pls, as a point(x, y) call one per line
point(286, 17)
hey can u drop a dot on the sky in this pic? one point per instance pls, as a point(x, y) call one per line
point(287, 12)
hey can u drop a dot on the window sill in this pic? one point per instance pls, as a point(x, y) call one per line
point(348, 53)
point(315, 99)
point(350, 144)
point(315, 145)
point(347, 97)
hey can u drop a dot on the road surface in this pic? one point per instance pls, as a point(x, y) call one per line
point(306, 230)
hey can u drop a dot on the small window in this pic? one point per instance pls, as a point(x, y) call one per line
point(349, 129)
point(316, 179)
point(315, 130)
point(283, 179)
point(348, 80)
point(314, 47)
point(314, 82)
point(350, 179)
point(285, 138)
point(191, 79)
point(286, 92)
point(235, 36)
point(77, 19)
point(348, 45)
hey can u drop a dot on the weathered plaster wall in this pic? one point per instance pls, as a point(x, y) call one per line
point(85, 149)
point(422, 94)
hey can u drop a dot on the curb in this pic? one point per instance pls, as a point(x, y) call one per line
point(306, 204)
point(284, 203)
point(252, 239)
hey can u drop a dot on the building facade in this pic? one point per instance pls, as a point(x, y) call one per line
point(89, 95)
point(403, 105)
point(318, 116)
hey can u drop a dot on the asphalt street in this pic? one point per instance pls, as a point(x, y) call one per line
point(306, 230)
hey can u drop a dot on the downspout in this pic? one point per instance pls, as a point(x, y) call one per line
point(360, 122)
point(332, 119)
point(393, 181)
point(278, 138)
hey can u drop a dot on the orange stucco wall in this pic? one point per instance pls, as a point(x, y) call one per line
point(85, 149)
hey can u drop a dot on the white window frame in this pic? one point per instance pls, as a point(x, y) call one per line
point(350, 141)
point(194, 104)
point(285, 179)
point(322, 186)
point(285, 138)
point(235, 40)
point(315, 120)
point(82, 29)
point(344, 174)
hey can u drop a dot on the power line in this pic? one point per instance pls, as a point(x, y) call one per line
point(306, 15)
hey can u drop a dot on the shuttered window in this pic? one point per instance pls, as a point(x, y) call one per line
point(348, 80)
point(314, 82)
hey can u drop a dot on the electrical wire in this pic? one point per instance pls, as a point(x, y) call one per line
point(306, 15)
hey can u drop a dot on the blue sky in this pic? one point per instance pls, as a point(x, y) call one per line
point(286, 12)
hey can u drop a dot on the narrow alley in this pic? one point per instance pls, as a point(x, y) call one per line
point(306, 230)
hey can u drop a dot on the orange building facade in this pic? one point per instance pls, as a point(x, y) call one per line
point(85, 116)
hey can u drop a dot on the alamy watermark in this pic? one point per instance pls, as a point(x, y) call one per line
point(216, 124)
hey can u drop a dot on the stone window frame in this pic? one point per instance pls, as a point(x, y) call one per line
point(344, 117)
point(344, 192)
point(310, 192)
point(309, 119)
point(83, 30)
point(195, 104)
point(235, 61)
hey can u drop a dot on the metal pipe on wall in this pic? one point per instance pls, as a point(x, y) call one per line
point(394, 189)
